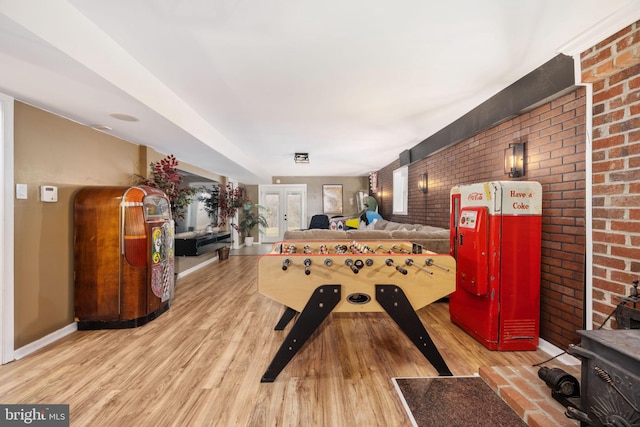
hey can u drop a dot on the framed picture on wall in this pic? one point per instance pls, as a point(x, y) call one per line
point(332, 198)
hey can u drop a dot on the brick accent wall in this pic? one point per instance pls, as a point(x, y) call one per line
point(613, 67)
point(555, 156)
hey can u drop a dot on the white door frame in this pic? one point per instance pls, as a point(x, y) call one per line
point(283, 189)
point(235, 236)
point(6, 231)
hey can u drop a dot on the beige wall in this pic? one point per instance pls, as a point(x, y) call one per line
point(50, 150)
point(54, 151)
point(350, 186)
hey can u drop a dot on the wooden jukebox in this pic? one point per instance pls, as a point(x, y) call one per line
point(123, 256)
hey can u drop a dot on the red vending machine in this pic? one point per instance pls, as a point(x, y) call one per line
point(496, 230)
point(123, 256)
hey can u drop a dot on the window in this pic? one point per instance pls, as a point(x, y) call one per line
point(400, 190)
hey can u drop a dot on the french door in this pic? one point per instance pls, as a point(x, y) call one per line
point(286, 209)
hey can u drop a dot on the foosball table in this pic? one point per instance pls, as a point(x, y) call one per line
point(315, 278)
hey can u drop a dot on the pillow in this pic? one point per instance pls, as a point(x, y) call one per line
point(370, 226)
point(372, 216)
point(381, 224)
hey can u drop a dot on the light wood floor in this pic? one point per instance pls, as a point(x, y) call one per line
point(200, 363)
point(184, 264)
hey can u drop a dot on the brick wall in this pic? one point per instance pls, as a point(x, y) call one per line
point(555, 153)
point(613, 67)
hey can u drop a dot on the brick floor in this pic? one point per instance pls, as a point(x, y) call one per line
point(522, 389)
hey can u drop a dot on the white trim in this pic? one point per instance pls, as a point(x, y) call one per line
point(196, 267)
point(405, 405)
point(235, 236)
point(6, 231)
point(588, 208)
point(613, 23)
point(404, 401)
point(552, 350)
point(73, 327)
point(45, 341)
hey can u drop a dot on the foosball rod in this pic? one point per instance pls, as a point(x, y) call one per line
point(399, 249)
point(409, 261)
point(430, 262)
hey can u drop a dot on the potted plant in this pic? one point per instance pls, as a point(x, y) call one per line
point(252, 218)
point(230, 199)
point(210, 203)
point(166, 177)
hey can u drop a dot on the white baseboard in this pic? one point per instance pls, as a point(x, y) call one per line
point(543, 345)
point(73, 327)
point(44, 341)
point(197, 267)
point(552, 350)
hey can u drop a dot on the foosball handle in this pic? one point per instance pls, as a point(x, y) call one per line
point(401, 269)
point(349, 263)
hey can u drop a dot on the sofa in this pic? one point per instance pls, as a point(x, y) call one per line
point(434, 239)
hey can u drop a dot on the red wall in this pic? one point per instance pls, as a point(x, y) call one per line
point(555, 135)
point(555, 157)
point(613, 67)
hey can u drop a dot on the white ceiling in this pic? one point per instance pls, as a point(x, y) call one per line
point(351, 82)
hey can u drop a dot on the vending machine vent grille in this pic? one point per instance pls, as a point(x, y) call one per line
point(520, 329)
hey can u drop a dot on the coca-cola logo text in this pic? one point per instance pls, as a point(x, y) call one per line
point(475, 196)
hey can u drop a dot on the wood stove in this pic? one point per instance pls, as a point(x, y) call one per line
point(610, 378)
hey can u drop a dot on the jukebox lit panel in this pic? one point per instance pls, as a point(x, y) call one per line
point(147, 263)
point(127, 278)
point(158, 216)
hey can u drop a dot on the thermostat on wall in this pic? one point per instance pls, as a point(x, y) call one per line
point(48, 193)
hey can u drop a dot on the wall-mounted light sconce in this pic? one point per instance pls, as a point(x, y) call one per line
point(422, 183)
point(514, 160)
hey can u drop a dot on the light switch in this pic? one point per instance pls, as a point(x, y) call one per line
point(21, 191)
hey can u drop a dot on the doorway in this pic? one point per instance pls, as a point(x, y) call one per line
point(286, 209)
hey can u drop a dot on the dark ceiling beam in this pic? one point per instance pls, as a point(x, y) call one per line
point(548, 81)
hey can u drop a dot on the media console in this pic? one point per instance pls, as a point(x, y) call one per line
point(190, 246)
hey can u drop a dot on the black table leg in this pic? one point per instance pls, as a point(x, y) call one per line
point(322, 301)
point(288, 314)
point(396, 304)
